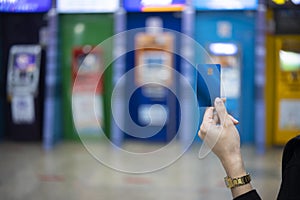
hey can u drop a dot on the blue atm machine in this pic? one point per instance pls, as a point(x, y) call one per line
point(228, 55)
point(152, 104)
point(227, 32)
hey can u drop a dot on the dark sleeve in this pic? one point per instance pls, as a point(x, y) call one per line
point(289, 189)
point(252, 195)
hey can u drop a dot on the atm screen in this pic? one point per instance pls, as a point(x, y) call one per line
point(24, 65)
point(227, 54)
point(23, 69)
point(289, 61)
point(154, 67)
point(154, 62)
point(25, 62)
point(88, 63)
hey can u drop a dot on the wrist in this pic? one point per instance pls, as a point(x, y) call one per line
point(234, 166)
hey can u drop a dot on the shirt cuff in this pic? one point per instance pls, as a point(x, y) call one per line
point(249, 195)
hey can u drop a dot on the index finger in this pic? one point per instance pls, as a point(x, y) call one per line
point(206, 122)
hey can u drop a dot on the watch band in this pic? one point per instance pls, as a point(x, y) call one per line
point(239, 181)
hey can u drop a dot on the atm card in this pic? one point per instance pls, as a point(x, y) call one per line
point(208, 84)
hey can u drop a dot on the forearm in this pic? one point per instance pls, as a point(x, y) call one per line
point(218, 131)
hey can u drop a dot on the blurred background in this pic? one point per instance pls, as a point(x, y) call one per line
point(52, 70)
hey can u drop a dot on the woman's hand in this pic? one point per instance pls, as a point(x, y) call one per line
point(219, 133)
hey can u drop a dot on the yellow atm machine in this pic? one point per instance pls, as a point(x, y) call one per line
point(287, 88)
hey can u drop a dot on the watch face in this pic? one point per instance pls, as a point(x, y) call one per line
point(228, 182)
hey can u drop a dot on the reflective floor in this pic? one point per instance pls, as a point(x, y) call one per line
point(69, 171)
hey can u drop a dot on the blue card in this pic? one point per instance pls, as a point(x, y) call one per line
point(208, 84)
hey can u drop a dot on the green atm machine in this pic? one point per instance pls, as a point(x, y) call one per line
point(87, 67)
point(82, 26)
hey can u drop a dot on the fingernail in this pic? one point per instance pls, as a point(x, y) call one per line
point(218, 100)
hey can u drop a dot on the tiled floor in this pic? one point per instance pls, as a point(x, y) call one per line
point(70, 172)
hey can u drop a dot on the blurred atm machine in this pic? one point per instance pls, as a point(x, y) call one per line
point(82, 24)
point(23, 93)
point(228, 55)
point(226, 29)
point(87, 68)
point(153, 104)
point(283, 72)
point(287, 89)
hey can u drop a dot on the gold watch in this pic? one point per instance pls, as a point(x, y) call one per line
point(239, 181)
